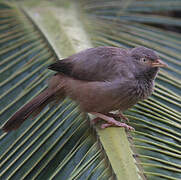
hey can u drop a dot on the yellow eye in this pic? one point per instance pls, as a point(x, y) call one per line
point(144, 60)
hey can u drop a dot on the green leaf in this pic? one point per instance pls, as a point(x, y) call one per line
point(156, 141)
point(61, 143)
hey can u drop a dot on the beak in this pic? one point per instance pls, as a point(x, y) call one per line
point(159, 63)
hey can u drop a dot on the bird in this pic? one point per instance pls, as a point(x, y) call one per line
point(100, 80)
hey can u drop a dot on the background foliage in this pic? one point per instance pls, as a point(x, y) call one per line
point(61, 143)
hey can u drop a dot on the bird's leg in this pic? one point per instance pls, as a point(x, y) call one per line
point(119, 115)
point(111, 121)
point(124, 118)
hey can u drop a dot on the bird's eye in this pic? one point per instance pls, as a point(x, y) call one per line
point(144, 60)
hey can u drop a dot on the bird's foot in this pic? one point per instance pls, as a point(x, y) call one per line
point(119, 115)
point(111, 121)
point(119, 124)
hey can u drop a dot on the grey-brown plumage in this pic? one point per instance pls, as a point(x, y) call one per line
point(100, 80)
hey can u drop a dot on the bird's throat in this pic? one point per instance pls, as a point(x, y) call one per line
point(148, 74)
point(145, 83)
point(151, 74)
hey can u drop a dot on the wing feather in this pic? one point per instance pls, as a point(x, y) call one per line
point(94, 64)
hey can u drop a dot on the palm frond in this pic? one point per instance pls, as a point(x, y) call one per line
point(156, 141)
point(59, 143)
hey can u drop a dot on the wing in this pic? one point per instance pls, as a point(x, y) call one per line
point(94, 64)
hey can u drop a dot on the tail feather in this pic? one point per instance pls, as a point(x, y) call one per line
point(35, 105)
point(41, 107)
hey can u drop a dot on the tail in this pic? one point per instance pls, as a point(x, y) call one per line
point(33, 107)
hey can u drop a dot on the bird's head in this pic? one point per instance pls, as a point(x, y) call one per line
point(146, 61)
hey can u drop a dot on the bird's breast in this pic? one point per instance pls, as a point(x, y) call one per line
point(140, 91)
point(144, 89)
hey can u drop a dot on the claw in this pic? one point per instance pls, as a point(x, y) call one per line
point(103, 126)
point(111, 121)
